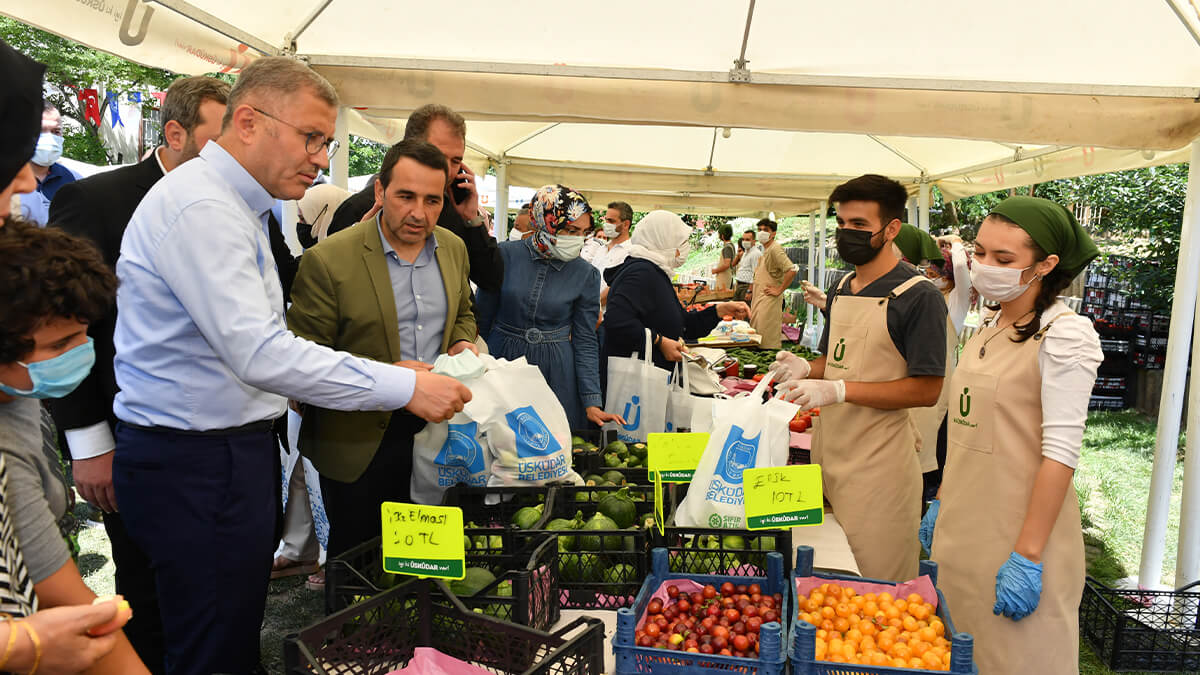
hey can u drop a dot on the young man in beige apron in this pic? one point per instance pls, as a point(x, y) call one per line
point(1008, 538)
point(774, 273)
point(884, 349)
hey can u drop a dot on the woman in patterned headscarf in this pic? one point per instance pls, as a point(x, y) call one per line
point(549, 303)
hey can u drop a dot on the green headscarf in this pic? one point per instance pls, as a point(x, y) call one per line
point(917, 245)
point(1053, 228)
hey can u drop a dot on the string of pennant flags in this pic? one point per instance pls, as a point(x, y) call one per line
point(91, 104)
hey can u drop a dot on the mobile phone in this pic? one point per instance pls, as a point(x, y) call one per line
point(459, 193)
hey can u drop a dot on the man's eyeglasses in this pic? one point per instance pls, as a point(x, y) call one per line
point(313, 140)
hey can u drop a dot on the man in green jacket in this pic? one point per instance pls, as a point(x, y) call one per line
point(392, 288)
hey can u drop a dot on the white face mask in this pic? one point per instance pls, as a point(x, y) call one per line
point(49, 149)
point(763, 236)
point(745, 245)
point(998, 284)
point(610, 229)
point(941, 283)
point(566, 247)
point(681, 255)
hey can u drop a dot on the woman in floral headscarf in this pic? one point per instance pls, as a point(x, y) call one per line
point(549, 303)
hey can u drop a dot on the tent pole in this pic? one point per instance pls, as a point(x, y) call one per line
point(340, 171)
point(1187, 567)
point(501, 210)
point(812, 263)
point(1183, 311)
point(822, 222)
point(913, 211)
point(923, 206)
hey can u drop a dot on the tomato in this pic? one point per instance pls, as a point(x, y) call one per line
point(654, 607)
point(815, 412)
point(741, 643)
point(706, 648)
point(672, 591)
point(754, 589)
point(719, 632)
point(709, 592)
point(757, 377)
point(645, 641)
point(733, 615)
point(727, 588)
point(652, 629)
point(753, 624)
point(684, 606)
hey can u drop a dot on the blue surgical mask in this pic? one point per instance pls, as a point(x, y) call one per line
point(49, 149)
point(57, 377)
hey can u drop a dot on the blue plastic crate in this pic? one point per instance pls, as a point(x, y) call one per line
point(631, 659)
point(802, 647)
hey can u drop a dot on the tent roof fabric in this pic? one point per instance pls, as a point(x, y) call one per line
point(631, 97)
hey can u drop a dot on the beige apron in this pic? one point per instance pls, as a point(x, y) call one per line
point(929, 419)
point(724, 280)
point(993, 455)
point(766, 311)
point(868, 457)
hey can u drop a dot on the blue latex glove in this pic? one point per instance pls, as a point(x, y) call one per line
point(1018, 587)
point(925, 532)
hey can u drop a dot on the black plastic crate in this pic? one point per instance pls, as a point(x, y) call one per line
point(1115, 346)
point(494, 506)
point(591, 579)
point(381, 635)
point(586, 463)
point(1142, 630)
point(358, 574)
point(706, 550)
point(1106, 403)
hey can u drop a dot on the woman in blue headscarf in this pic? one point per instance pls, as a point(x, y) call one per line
point(549, 304)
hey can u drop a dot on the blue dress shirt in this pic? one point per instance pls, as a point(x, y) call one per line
point(201, 339)
point(35, 206)
point(420, 296)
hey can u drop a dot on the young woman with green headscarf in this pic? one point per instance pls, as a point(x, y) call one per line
point(1006, 532)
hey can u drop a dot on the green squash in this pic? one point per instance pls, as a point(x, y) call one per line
point(526, 517)
point(619, 507)
point(600, 522)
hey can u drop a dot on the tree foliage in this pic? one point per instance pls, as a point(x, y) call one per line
point(366, 156)
point(1141, 213)
point(71, 68)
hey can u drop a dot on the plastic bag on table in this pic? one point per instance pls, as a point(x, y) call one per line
point(747, 433)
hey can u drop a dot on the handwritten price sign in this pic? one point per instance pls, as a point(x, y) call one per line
point(675, 456)
point(424, 541)
point(783, 496)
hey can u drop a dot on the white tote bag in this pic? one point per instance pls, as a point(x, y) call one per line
point(448, 453)
point(747, 434)
point(524, 425)
point(637, 391)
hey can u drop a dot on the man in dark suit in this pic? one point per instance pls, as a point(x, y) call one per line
point(99, 208)
point(446, 130)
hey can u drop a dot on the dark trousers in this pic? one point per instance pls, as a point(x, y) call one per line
point(203, 509)
point(739, 290)
point(933, 479)
point(135, 581)
point(353, 508)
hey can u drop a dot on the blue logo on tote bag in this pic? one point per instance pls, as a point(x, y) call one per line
point(737, 455)
point(533, 437)
point(461, 449)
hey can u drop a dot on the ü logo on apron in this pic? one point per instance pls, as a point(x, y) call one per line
point(839, 351)
point(964, 402)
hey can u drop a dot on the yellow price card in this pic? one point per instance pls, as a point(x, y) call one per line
point(783, 496)
point(676, 456)
point(424, 541)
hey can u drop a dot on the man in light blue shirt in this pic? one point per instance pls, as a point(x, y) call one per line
point(205, 362)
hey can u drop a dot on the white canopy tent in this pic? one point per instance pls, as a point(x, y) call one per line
point(628, 98)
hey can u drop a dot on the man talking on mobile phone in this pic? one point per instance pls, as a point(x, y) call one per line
point(447, 131)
